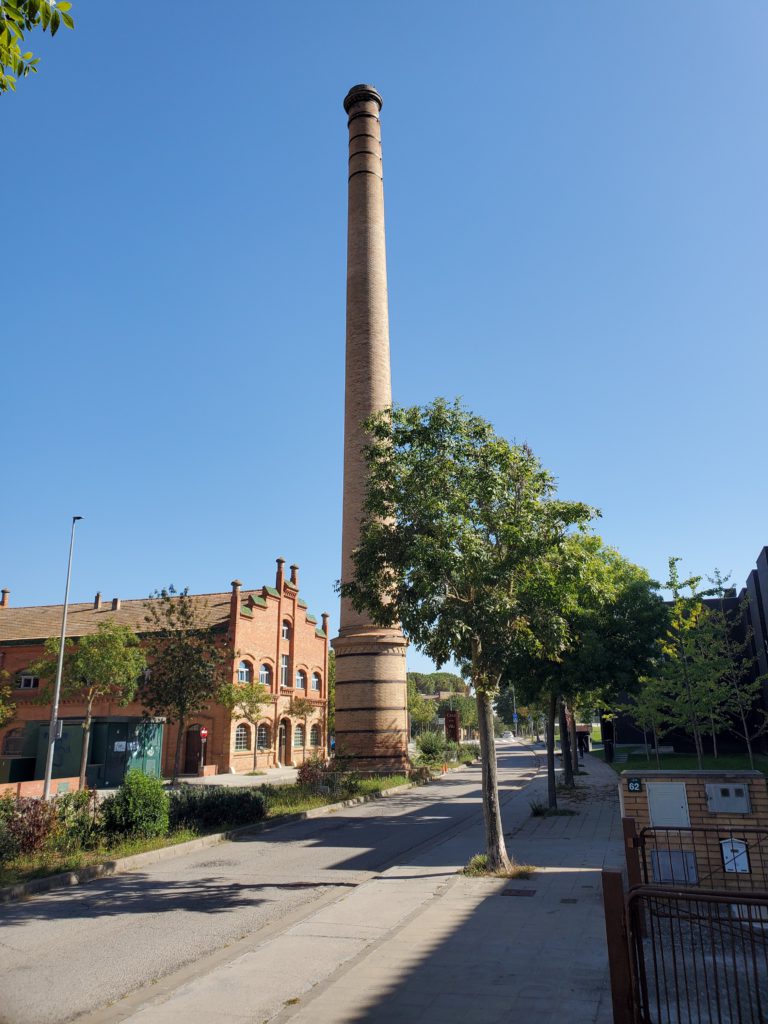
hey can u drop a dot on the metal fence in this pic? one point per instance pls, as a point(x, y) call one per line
point(730, 858)
point(697, 957)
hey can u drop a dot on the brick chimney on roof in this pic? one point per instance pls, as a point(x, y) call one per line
point(97, 601)
point(325, 617)
point(4, 597)
point(234, 602)
point(280, 575)
point(295, 575)
point(115, 604)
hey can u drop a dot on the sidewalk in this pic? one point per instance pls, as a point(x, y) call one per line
point(490, 950)
point(420, 943)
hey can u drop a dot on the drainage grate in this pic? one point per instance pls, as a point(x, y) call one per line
point(518, 892)
point(569, 901)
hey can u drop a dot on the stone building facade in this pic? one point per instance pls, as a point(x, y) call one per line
point(268, 635)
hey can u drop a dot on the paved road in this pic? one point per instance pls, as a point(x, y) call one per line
point(70, 952)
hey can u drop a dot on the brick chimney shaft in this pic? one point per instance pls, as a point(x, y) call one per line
point(371, 717)
point(295, 575)
point(280, 574)
point(4, 597)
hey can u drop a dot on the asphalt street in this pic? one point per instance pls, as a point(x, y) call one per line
point(73, 951)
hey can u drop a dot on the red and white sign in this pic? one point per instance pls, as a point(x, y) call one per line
point(204, 733)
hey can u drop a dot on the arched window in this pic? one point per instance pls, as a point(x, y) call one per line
point(265, 675)
point(285, 679)
point(244, 672)
point(315, 680)
point(301, 680)
point(263, 737)
point(314, 736)
point(298, 736)
point(13, 742)
point(242, 737)
point(286, 630)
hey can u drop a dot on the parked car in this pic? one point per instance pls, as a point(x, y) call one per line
point(507, 735)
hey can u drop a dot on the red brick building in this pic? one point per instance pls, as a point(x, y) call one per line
point(268, 634)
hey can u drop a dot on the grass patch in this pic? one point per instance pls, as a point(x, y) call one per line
point(637, 761)
point(40, 865)
point(256, 773)
point(477, 867)
point(295, 799)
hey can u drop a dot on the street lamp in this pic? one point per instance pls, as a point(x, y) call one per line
point(52, 737)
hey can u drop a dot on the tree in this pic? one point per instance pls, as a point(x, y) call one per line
point(649, 712)
point(105, 665)
point(690, 671)
point(18, 17)
point(185, 661)
point(613, 619)
point(743, 687)
point(422, 711)
point(460, 539)
point(7, 705)
point(302, 708)
point(246, 700)
point(331, 693)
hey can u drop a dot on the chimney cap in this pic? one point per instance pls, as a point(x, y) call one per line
point(280, 560)
point(236, 584)
point(362, 94)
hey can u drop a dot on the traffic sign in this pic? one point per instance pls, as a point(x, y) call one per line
point(204, 733)
point(514, 717)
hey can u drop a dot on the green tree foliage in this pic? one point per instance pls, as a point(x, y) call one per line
point(185, 661)
point(742, 686)
point(105, 665)
point(247, 701)
point(331, 693)
point(461, 542)
point(612, 619)
point(435, 682)
point(691, 669)
point(421, 710)
point(7, 704)
point(17, 17)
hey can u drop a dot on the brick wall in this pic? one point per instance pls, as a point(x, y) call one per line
point(706, 844)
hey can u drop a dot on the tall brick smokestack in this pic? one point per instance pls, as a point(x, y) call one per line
point(371, 692)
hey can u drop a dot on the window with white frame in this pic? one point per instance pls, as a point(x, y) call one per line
point(285, 679)
point(27, 681)
point(298, 736)
point(244, 672)
point(286, 630)
point(301, 680)
point(263, 737)
point(315, 680)
point(242, 737)
point(265, 675)
point(314, 736)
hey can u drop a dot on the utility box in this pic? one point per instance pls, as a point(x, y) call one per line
point(728, 798)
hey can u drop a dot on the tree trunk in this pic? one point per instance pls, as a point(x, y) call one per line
point(747, 739)
point(574, 743)
point(647, 751)
point(699, 747)
point(565, 747)
point(86, 741)
point(656, 747)
point(714, 738)
point(255, 744)
point(177, 753)
point(551, 787)
point(494, 837)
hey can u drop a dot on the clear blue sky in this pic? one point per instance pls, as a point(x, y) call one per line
point(577, 230)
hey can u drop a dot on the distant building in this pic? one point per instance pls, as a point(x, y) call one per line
point(268, 635)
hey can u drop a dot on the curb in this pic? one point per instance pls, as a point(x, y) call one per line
point(22, 890)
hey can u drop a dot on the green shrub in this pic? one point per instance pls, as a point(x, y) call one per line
point(210, 807)
point(78, 821)
point(431, 744)
point(469, 752)
point(9, 846)
point(138, 808)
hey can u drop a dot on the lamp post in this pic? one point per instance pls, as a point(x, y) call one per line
point(52, 737)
